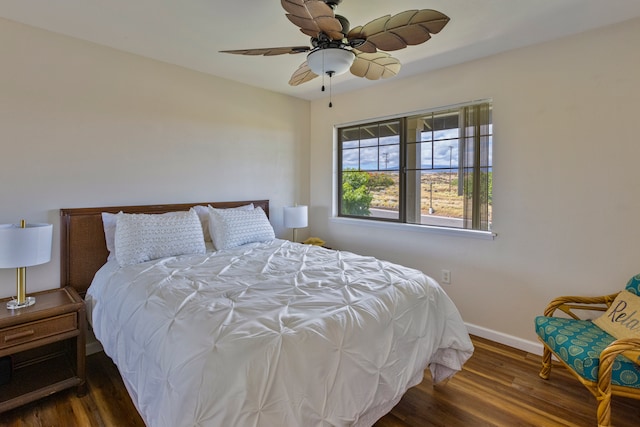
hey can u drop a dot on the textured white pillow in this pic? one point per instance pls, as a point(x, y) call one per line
point(230, 227)
point(143, 237)
point(203, 214)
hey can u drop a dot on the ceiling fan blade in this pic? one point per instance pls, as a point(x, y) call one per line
point(313, 17)
point(270, 51)
point(395, 32)
point(302, 75)
point(374, 66)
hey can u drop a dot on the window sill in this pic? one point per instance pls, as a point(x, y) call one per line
point(476, 234)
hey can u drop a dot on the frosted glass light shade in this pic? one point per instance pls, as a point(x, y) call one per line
point(330, 60)
point(24, 247)
point(295, 216)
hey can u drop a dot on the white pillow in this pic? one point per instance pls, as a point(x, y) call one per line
point(144, 237)
point(109, 224)
point(203, 214)
point(231, 227)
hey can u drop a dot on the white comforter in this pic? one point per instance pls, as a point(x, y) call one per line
point(273, 334)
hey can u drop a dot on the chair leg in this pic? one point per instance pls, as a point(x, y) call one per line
point(604, 410)
point(603, 390)
point(546, 364)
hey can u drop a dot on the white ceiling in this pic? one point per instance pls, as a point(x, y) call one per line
point(190, 33)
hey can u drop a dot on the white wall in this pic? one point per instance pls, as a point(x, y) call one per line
point(83, 125)
point(566, 197)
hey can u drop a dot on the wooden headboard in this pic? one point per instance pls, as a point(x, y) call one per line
point(83, 249)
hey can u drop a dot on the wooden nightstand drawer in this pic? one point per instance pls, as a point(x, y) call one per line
point(37, 330)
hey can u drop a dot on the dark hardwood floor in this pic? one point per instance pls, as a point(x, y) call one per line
point(499, 386)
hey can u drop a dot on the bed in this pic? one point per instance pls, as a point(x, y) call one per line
point(253, 331)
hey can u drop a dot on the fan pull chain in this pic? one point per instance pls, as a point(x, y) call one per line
point(323, 71)
point(330, 73)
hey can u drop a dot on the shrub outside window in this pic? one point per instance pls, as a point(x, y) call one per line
point(433, 168)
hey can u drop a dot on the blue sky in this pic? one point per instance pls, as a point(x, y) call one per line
point(386, 156)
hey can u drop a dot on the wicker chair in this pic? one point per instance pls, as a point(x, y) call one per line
point(589, 353)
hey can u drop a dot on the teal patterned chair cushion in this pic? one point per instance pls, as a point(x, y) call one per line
point(579, 344)
point(633, 285)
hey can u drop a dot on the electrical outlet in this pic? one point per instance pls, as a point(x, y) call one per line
point(446, 276)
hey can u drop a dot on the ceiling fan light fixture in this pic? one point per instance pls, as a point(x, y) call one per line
point(332, 61)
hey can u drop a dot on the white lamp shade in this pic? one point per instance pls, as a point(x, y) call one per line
point(295, 216)
point(24, 247)
point(330, 60)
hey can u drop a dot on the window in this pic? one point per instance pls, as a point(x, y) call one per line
point(433, 168)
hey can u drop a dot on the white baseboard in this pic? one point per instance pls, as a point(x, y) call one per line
point(532, 347)
point(92, 347)
point(92, 344)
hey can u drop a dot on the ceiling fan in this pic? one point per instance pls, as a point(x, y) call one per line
point(335, 48)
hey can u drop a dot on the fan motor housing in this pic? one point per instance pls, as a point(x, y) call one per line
point(332, 3)
point(346, 25)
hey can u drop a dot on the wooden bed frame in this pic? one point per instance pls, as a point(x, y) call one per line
point(83, 249)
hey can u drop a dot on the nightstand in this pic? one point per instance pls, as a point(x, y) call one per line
point(46, 342)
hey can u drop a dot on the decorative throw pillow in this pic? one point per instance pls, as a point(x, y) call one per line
point(231, 227)
point(622, 319)
point(144, 237)
point(203, 214)
point(109, 222)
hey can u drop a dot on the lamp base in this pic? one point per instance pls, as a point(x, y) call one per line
point(13, 304)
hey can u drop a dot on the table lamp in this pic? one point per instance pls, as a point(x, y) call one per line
point(21, 246)
point(295, 217)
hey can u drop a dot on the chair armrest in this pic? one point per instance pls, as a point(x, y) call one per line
point(605, 371)
point(609, 354)
point(567, 304)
